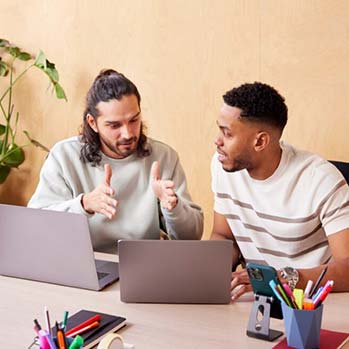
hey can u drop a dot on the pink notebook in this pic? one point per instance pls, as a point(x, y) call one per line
point(328, 340)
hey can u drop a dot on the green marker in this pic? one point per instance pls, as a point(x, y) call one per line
point(77, 343)
point(64, 323)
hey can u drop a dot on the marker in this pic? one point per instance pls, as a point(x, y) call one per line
point(308, 288)
point(65, 318)
point(284, 295)
point(77, 343)
point(84, 324)
point(44, 344)
point(84, 329)
point(37, 324)
point(317, 293)
point(60, 338)
point(298, 295)
point(326, 290)
point(308, 304)
point(290, 294)
point(47, 336)
point(272, 284)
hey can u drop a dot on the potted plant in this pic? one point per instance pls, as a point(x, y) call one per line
point(12, 154)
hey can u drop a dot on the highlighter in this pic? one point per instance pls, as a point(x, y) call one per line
point(77, 343)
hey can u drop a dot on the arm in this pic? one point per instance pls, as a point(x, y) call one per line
point(337, 268)
point(240, 282)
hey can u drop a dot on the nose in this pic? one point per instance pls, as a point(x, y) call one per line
point(126, 132)
point(218, 141)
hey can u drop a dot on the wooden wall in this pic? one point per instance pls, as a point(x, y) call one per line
point(183, 55)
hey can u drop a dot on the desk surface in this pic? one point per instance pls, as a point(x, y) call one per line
point(149, 326)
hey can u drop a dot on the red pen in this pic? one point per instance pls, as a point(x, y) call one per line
point(324, 293)
point(84, 329)
point(84, 324)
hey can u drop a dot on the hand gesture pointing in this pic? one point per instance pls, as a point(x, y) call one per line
point(101, 199)
point(164, 190)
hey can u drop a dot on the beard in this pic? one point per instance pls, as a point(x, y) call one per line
point(122, 148)
point(238, 163)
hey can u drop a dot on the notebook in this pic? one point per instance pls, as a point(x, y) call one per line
point(328, 340)
point(52, 247)
point(107, 323)
point(181, 271)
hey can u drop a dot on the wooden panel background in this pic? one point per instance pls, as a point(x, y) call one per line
point(183, 55)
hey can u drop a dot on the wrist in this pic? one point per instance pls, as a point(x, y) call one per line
point(83, 202)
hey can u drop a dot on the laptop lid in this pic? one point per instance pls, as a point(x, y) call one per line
point(50, 246)
point(181, 271)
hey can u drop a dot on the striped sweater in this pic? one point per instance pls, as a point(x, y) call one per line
point(285, 219)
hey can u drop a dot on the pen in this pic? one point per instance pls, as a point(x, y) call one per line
point(317, 283)
point(65, 318)
point(37, 324)
point(84, 324)
point(308, 288)
point(60, 337)
point(84, 329)
point(46, 341)
point(48, 324)
point(284, 295)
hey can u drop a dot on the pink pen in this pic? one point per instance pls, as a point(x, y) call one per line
point(290, 294)
point(324, 293)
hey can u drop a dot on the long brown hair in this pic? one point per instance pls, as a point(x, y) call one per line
point(108, 85)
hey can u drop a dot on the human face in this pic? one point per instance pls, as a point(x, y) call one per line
point(118, 125)
point(235, 140)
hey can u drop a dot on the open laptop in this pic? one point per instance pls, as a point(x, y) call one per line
point(52, 247)
point(181, 271)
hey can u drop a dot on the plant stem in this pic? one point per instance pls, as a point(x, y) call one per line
point(14, 82)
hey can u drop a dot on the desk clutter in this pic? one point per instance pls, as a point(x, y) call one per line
point(84, 329)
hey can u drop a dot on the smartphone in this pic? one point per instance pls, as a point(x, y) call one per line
point(259, 276)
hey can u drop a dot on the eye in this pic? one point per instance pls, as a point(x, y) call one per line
point(114, 126)
point(134, 120)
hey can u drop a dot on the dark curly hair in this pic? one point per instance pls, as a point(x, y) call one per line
point(260, 103)
point(108, 85)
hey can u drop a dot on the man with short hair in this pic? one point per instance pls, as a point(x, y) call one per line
point(281, 206)
point(115, 175)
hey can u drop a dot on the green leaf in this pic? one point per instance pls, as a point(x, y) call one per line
point(60, 92)
point(14, 156)
point(52, 72)
point(4, 69)
point(40, 61)
point(4, 172)
point(36, 143)
point(24, 56)
point(13, 51)
point(4, 43)
point(2, 129)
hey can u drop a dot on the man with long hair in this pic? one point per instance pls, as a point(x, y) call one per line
point(117, 176)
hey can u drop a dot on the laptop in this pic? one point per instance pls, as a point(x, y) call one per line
point(51, 246)
point(176, 271)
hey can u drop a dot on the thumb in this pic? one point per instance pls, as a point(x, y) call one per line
point(108, 174)
point(155, 170)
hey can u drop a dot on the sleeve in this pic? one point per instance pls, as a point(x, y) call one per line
point(53, 192)
point(185, 221)
point(334, 204)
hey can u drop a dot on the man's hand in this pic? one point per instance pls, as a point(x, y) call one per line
point(163, 189)
point(240, 284)
point(100, 200)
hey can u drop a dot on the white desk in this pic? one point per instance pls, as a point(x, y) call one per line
point(150, 326)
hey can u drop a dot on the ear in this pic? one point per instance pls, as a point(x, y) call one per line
point(92, 122)
point(262, 140)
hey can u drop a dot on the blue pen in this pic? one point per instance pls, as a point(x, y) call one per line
point(317, 293)
point(272, 284)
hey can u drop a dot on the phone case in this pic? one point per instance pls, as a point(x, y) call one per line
point(259, 276)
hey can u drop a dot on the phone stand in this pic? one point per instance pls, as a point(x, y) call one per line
point(260, 328)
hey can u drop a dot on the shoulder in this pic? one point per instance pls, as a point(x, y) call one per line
point(67, 148)
point(162, 150)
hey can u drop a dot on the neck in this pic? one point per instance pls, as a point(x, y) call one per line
point(269, 162)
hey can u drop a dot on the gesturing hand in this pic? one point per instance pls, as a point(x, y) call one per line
point(100, 199)
point(163, 189)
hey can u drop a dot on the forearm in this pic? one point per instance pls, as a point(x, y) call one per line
point(185, 221)
point(337, 271)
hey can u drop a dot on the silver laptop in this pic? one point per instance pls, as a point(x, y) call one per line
point(52, 247)
point(181, 271)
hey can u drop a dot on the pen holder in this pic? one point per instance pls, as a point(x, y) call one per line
point(302, 327)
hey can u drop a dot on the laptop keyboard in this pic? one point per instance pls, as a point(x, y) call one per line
point(101, 275)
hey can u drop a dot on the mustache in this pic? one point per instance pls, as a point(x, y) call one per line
point(127, 141)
